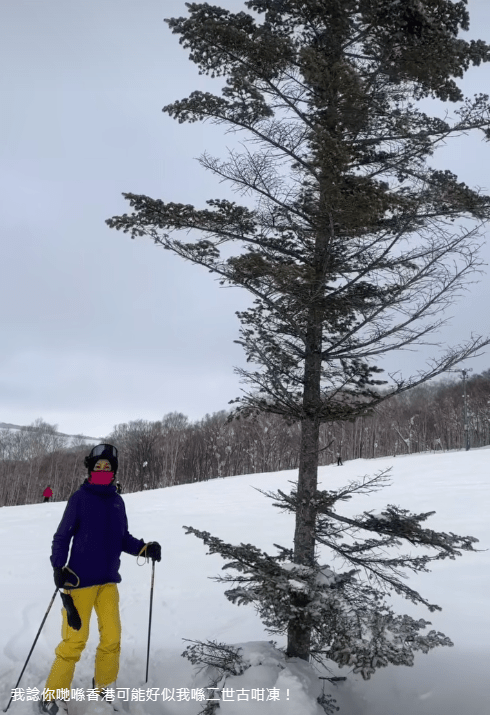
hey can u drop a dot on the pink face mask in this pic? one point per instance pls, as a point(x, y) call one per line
point(101, 477)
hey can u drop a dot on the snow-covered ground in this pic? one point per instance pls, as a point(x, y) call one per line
point(187, 604)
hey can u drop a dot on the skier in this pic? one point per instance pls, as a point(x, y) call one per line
point(118, 487)
point(47, 493)
point(339, 460)
point(95, 518)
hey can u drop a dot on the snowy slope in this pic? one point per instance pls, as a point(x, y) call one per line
point(187, 604)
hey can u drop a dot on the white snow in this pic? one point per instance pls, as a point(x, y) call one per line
point(188, 605)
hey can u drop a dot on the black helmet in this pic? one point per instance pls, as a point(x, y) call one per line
point(102, 451)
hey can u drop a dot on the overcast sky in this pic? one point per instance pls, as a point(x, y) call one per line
point(97, 329)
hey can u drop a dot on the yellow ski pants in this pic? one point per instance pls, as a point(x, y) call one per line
point(105, 600)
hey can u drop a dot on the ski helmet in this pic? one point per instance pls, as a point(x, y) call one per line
point(102, 451)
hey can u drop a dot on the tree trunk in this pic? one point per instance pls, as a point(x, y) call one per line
point(299, 631)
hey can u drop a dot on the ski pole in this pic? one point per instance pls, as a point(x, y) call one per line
point(30, 652)
point(149, 622)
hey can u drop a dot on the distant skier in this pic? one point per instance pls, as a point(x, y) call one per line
point(118, 487)
point(47, 493)
point(95, 518)
point(339, 460)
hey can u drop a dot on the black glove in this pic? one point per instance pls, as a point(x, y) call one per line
point(60, 576)
point(154, 551)
point(64, 578)
point(72, 614)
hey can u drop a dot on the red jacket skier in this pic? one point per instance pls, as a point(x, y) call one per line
point(47, 493)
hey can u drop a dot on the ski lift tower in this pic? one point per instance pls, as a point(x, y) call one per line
point(464, 374)
point(466, 429)
point(466, 425)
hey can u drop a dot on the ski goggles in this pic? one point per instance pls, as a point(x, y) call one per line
point(108, 450)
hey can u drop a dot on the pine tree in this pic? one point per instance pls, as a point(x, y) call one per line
point(347, 618)
point(358, 245)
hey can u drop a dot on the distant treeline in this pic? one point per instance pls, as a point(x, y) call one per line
point(176, 451)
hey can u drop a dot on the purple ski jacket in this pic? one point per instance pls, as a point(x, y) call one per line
point(95, 518)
